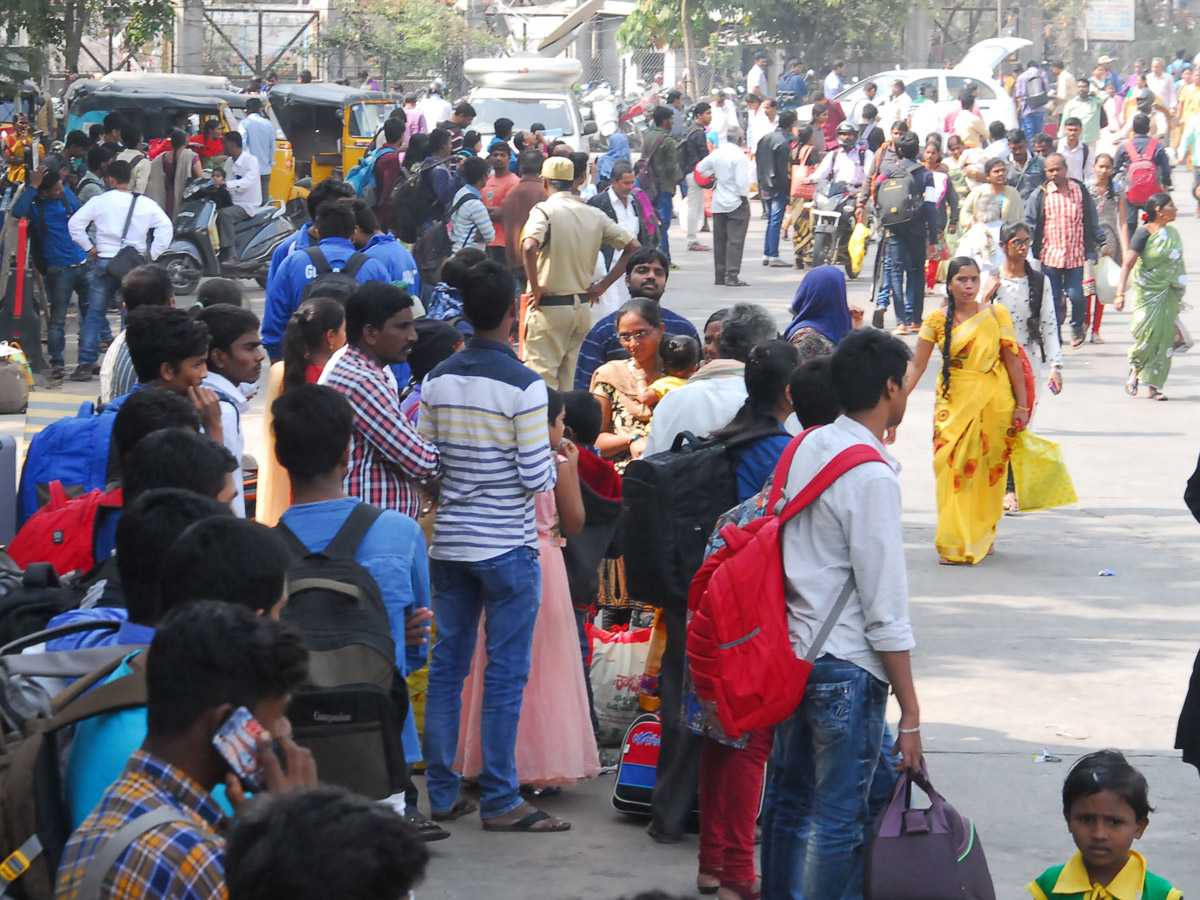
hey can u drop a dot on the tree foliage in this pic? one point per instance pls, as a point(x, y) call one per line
point(405, 37)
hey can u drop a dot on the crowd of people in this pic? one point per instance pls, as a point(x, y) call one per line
point(446, 439)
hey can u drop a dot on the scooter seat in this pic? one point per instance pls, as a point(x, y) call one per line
point(261, 215)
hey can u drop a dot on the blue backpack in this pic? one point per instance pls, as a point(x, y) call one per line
point(362, 176)
point(75, 451)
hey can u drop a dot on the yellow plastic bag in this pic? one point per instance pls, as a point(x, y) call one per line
point(1040, 473)
point(858, 246)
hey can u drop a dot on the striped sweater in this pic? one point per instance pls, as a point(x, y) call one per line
point(487, 414)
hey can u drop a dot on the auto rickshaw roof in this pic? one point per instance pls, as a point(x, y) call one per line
point(320, 94)
point(89, 96)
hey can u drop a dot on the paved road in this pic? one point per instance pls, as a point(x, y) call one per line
point(1026, 651)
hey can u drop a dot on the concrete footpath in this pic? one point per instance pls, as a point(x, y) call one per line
point(1029, 650)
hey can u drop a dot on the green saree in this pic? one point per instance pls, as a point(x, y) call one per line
point(1159, 280)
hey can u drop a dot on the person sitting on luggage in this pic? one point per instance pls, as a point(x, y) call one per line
point(280, 846)
point(285, 289)
point(313, 428)
point(1106, 803)
point(207, 661)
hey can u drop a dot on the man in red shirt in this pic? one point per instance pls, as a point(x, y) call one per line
point(387, 170)
point(514, 211)
point(499, 183)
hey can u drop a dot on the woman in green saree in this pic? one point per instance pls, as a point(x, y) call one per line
point(1155, 256)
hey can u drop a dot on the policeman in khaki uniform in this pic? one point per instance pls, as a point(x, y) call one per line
point(559, 247)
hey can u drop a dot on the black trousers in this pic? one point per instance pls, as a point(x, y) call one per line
point(677, 778)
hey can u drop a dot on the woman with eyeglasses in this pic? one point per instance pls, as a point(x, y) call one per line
point(623, 385)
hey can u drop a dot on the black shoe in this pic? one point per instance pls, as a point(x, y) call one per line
point(734, 281)
point(877, 317)
point(427, 830)
point(57, 373)
point(661, 838)
point(81, 373)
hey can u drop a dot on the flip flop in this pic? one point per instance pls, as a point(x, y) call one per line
point(526, 824)
point(462, 807)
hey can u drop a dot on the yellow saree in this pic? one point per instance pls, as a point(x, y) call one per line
point(972, 431)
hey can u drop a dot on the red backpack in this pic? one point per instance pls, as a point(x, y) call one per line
point(63, 532)
point(1142, 176)
point(738, 647)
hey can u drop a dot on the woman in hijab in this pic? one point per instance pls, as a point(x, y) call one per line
point(618, 148)
point(822, 317)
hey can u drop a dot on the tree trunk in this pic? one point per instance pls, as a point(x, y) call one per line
point(690, 83)
point(74, 19)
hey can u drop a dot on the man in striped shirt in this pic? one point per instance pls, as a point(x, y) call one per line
point(487, 414)
point(387, 456)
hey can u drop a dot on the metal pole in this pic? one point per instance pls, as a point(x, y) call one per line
point(999, 18)
point(258, 69)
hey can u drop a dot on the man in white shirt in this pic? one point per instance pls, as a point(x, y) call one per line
point(834, 84)
point(833, 759)
point(1159, 80)
point(847, 162)
point(122, 219)
point(724, 114)
point(730, 169)
point(434, 107)
point(896, 107)
point(258, 136)
point(870, 89)
point(618, 204)
point(756, 78)
point(1075, 151)
point(242, 179)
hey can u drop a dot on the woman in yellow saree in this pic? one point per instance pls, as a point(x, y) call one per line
point(981, 405)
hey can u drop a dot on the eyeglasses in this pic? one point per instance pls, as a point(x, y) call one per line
point(629, 336)
point(1020, 242)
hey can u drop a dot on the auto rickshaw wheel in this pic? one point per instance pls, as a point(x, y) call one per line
point(184, 272)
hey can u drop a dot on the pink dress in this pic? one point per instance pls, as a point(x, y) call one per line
point(555, 744)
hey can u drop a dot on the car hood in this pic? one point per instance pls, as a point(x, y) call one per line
point(983, 57)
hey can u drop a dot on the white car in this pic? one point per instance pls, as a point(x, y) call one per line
point(974, 71)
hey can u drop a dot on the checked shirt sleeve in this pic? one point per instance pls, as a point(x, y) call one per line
point(382, 424)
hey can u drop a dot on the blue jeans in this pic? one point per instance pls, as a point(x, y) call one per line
point(95, 326)
point(883, 293)
point(774, 205)
point(905, 268)
point(508, 588)
point(663, 206)
point(1031, 123)
point(1070, 281)
point(61, 282)
point(832, 775)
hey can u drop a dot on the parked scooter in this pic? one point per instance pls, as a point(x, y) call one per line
point(193, 251)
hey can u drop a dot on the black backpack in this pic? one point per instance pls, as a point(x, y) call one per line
point(434, 246)
point(336, 283)
point(350, 713)
point(670, 502)
point(898, 199)
point(412, 204)
point(1035, 91)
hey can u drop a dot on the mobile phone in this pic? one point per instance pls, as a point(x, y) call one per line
point(237, 741)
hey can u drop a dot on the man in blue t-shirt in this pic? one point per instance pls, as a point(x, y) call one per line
point(646, 278)
point(377, 244)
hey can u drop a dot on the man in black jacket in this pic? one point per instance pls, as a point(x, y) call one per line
point(692, 149)
point(773, 156)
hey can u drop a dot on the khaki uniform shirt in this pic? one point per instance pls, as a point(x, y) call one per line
point(569, 234)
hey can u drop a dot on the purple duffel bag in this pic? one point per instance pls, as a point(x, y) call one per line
point(924, 854)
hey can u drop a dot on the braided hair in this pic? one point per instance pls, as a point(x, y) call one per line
point(956, 264)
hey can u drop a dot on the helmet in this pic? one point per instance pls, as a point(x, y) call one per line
point(847, 128)
point(1145, 100)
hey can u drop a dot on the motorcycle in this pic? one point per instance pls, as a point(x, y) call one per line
point(833, 220)
point(601, 107)
point(192, 254)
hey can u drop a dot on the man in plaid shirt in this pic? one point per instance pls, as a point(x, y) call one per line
point(387, 455)
point(207, 660)
point(1066, 232)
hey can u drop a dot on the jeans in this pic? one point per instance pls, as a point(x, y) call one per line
point(905, 266)
point(61, 282)
point(95, 324)
point(1031, 123)
point(774, 206)
point(1071, 281)
point(883, 292)
point(832, 776)
point(663, 206)
point(508, 588)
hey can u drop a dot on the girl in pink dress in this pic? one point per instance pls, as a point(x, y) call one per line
point(555, 743)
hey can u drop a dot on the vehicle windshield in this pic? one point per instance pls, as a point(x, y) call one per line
point(523, 113)
point(367, 118)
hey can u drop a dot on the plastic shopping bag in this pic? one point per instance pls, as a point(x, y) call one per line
point(1040, 473)
point(618, 663)
point(858, 246)
point(1108, 275)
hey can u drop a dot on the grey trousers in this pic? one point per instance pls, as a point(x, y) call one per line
point(266, 188)
point(227, 220)
point(729, 239)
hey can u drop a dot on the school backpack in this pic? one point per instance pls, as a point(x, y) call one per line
point(637, 769)
point(412, 203)
point(739, 651)
point(434, 246)
point(670, 502)
point(362, 177)
point(642, 171)
point(35, 823)
point(75, 451)
point(63, 532)
point(897, 197)
point(1142, 176)
point(350, 713)
point(330, 282)
point(1035, 91)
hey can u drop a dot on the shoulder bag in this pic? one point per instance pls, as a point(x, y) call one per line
point(127, 258)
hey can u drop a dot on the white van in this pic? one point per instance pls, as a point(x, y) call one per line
point(528, 90)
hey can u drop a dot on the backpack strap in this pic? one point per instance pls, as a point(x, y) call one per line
point(318, 260)
point(348, 538)
point(354, 263)
point(297, 546)
point(116, 843)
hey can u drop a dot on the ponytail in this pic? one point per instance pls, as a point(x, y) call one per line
point(305, 330)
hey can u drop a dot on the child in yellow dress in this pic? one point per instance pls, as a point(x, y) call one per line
point(1107, 806)
point(681, 357)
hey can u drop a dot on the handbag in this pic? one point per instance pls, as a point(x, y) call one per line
point(127, 258)
point(924, 854)
point(1040, 474)
point(1107, 273)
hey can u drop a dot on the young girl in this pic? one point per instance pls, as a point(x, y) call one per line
point(555, 741)
point(1107, 806)
point(1110, 210)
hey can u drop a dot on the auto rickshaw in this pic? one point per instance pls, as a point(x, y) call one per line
point(328, 128)
point(158, 107)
